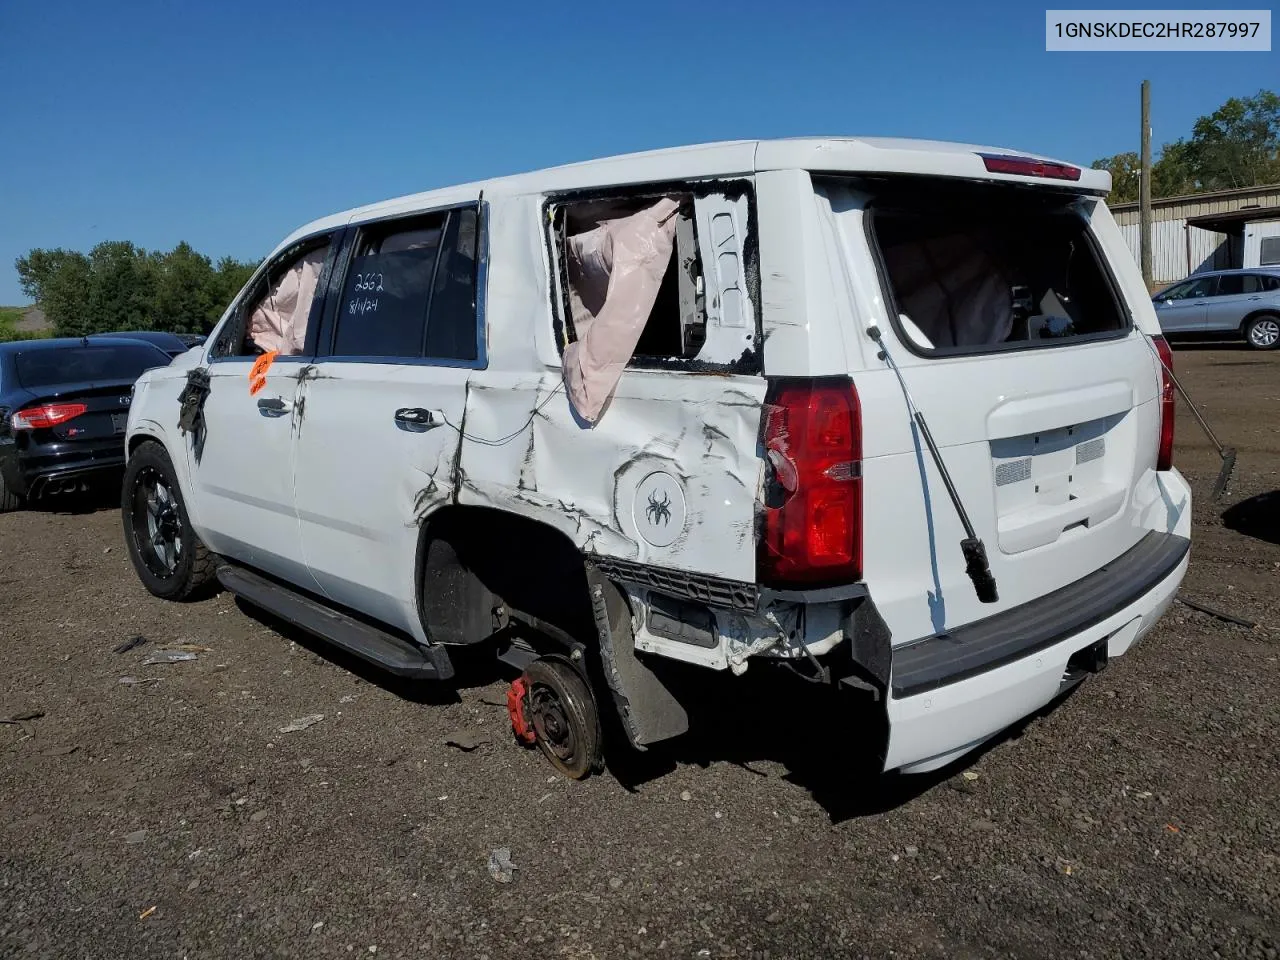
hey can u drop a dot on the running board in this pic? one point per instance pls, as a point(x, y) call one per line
point(378, 647)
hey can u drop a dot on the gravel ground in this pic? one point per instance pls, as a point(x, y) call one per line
point(173, 818)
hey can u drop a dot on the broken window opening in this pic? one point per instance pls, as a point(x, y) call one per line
point(993, 272)
point(676, 325)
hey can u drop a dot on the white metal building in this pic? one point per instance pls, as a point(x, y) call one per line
point(1204, 231)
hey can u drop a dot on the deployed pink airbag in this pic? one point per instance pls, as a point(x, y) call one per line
point(615, 271)
point(279, 321)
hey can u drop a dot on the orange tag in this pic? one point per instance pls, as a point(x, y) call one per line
point(258, 375)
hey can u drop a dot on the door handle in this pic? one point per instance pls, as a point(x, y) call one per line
point(417, 417)
point(273, 407)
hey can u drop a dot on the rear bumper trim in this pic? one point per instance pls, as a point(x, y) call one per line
point(933, 662)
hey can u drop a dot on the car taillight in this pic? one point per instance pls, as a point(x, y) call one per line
point(1164, 459)
point(46, 415)
point(813, 501)
point(1028, 166)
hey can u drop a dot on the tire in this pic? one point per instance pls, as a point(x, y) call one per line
point(564, 718)
point(9, 501)
point(1263, 331)
point(169, 558)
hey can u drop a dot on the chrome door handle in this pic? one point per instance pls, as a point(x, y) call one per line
point(416, 417)
point(273, 407)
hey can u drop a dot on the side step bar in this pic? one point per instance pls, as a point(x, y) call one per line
point(378, 647)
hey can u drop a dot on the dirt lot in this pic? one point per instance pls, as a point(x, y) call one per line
point(172, 818)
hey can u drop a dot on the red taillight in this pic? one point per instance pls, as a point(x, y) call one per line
point(813, 507)
point(1028, 166)
point(1164, 459)
point(46, 415)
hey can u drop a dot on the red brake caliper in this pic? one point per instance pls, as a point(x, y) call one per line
point(516, 695)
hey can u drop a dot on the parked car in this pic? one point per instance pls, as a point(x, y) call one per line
point(64, 405)
point(891, 413)
point(171, 343)
point(1243, 303)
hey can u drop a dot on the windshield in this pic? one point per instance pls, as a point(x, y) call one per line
point(46, 367)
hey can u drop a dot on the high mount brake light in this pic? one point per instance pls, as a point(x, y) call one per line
point(1028, 166)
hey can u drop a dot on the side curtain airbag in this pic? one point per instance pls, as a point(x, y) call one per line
point(615, 270)
point(279, 321)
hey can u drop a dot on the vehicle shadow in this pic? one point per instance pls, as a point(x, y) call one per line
point(829, 744)
point(97, 497)
point(1179, 344)
point(1257, 517)
point(472, 668)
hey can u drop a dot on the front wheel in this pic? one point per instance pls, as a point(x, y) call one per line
point(1263, 332)
point(169, 558)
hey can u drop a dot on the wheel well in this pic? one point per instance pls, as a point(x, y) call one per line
point(1244, 324)
point(137, 440)
point(478, 566)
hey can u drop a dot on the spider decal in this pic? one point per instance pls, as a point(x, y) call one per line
point(658, 509)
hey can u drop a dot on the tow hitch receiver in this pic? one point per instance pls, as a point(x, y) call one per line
point(1090, 659)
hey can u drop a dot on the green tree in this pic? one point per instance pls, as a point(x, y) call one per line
point(186, 294)
point(118, 286)
point(1238, 145)
point(1126, 175)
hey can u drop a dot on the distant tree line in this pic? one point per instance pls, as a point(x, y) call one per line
point(117, 286)
point(1238, 145)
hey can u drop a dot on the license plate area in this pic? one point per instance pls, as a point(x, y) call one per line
point(119, 421)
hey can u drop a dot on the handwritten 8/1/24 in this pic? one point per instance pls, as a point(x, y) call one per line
point(362, 305)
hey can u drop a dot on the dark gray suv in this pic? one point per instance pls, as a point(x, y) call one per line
point(1241, 302)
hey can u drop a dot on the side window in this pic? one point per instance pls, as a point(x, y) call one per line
point(276, 312)
point(410, 289)
point(1203, 287)
point(1268, 284)
point(1269, 255)
point(1230, 284)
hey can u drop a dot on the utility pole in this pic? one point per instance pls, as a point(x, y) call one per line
point(1144, 186)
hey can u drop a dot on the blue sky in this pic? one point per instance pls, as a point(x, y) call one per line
point(228, 124)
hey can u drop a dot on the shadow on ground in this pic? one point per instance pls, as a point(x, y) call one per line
point(1257, 517)
point(830, 743)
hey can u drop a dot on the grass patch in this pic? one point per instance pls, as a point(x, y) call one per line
point(9, 317)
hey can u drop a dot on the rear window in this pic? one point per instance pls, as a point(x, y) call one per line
point(976, 270)
point(43, 368)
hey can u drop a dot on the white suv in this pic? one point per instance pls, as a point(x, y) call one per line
point(890, 411)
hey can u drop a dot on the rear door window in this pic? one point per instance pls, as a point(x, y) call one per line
point(46, 367)
point(410, 290)
point(1230, 285)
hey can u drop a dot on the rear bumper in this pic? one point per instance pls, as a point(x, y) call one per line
point(34, 475)
point(949, 694)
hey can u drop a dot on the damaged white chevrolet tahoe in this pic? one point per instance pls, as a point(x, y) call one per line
point(892, 411)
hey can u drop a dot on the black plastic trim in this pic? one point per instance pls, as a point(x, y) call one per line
point(933, 662)
point(379, 647)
